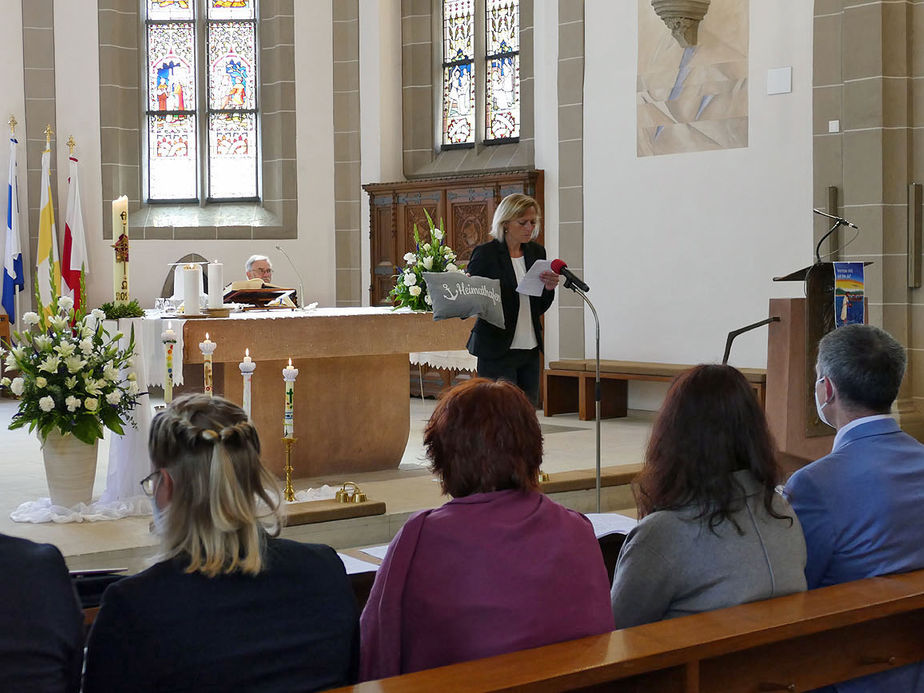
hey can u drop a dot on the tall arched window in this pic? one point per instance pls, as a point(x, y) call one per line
point(202, 116)
point(490, 28)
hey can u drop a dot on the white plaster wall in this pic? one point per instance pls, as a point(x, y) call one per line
point(380, 104)
point(680, 249)
point(545, 57)
point(77, 90)
point(13, 103)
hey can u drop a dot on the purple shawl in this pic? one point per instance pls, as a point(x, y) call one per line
point(483, 575)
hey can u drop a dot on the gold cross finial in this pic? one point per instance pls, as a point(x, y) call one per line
point(12, 122)
point(48, 133)
point(71, 145)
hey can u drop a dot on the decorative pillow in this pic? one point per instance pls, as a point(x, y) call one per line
point(456, 295)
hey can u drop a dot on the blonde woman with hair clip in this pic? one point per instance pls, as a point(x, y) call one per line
point(228, 605)
point(513, 352)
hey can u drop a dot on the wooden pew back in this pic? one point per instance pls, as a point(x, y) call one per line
point(793, 643)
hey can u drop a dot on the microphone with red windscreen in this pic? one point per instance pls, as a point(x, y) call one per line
point(559, 267)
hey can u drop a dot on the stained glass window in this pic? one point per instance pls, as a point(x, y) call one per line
point(458, 73)
point(502, 70)
point(224, 94)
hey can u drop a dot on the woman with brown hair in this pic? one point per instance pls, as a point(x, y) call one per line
point(714, 532)
point(228, 606)
point(498, 568)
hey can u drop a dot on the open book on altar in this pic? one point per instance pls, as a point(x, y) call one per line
point(259, 293)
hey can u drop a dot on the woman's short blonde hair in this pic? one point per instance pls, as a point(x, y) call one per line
point(513, 207)
point(224, 500)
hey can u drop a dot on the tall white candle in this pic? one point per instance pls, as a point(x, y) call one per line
point(247, 367)
point(216, 285)
point(120, 237)
point(168, 337)
point(288, 422)
point(207, 348)
point(191, 289)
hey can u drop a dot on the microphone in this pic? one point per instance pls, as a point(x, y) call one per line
point(559, 267)
point(840, 220)
point(301, 284)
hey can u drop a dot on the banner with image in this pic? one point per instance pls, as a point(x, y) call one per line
point(848, 294)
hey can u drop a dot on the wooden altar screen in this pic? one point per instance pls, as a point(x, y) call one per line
point(465, 204)
point(352, 391)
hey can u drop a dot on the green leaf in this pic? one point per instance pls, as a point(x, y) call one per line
point(111, 419)
point(87, 428)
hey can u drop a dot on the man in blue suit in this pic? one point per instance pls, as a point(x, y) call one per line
point(860, 506)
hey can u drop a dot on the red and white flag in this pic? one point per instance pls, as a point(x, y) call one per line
point(75, 260)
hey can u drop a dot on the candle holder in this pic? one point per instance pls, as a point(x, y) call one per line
point(247, 367)
point(207, 348)
point(289, 492)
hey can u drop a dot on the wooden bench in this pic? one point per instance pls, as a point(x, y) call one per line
point(569, 385)
point(792, 643)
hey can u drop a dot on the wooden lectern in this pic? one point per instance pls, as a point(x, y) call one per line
point(792, 349)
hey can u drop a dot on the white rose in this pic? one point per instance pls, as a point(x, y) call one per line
point(73, 404)
point(114, 397)
point(74, 364)
point(91, 403)
point(17, 386)
point(410, 258)
point(438, 234)
point(427, 300)
point(65, 303)
point(111, 373)
point(97, 313)
point(86, 346)
point(31, 318)
point(428, 263)
point(46, 404)
point(410, 279)
point(415, 291)
point(451, 268)
point(41, 382)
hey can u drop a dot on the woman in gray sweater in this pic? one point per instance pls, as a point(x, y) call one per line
point(713, 532)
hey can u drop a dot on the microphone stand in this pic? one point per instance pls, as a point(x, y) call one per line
point(570, 285)
point(301, 284)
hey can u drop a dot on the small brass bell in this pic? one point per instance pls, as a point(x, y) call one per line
point(543, 477)
point(350, 493)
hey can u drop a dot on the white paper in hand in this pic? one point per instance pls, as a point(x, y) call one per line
point(532, 284)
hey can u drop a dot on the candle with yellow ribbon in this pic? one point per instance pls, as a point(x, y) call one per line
point(207, 348)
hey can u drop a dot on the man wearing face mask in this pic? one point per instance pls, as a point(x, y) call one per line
point(859, 506)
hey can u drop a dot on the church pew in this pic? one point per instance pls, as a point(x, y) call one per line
point(569, 385)
point(792, 643)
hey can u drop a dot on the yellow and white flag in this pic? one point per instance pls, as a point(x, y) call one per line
point(47, 254)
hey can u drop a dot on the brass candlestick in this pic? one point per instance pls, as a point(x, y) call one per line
point(289, 492)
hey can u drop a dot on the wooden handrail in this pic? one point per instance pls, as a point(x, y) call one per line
point(797, 642)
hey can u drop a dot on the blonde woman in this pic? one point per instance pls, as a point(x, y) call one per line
point(228, 606)
point(514, 352)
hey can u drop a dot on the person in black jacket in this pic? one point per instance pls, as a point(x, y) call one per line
point(41, 624)
point(512, 353)
point(229, 607)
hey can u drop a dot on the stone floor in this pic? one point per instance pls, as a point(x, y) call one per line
point(569, 445)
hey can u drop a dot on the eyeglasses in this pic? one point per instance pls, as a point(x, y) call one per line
point(148, 483)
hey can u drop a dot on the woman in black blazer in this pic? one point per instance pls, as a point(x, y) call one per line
point(512, 353)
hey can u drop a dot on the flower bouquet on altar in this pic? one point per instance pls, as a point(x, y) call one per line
point(70, 389)
point(410, 289)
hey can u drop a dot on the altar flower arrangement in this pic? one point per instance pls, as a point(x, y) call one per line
point(67, 373)
point(410, 290)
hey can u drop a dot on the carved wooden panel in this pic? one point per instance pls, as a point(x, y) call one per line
point(466, 206)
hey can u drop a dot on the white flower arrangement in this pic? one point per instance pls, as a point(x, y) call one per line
point(68, 373)
point(410, 290)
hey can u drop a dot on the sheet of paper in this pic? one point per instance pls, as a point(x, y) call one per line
point(376, 551)
point(354, 565)
point(531, 284)
point(610, 523)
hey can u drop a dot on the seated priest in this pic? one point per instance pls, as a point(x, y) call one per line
point(259, 267)
point(229, 606)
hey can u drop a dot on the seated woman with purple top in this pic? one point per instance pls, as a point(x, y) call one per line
point(498, 568)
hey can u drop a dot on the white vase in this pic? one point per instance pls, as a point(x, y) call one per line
point(70, 468)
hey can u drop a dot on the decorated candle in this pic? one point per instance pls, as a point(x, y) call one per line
point(120, 266)
point(207, 348)
point(168, 337)
point(216, 284)
point(288, 422)
point(191, 288)
point(247, 367)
